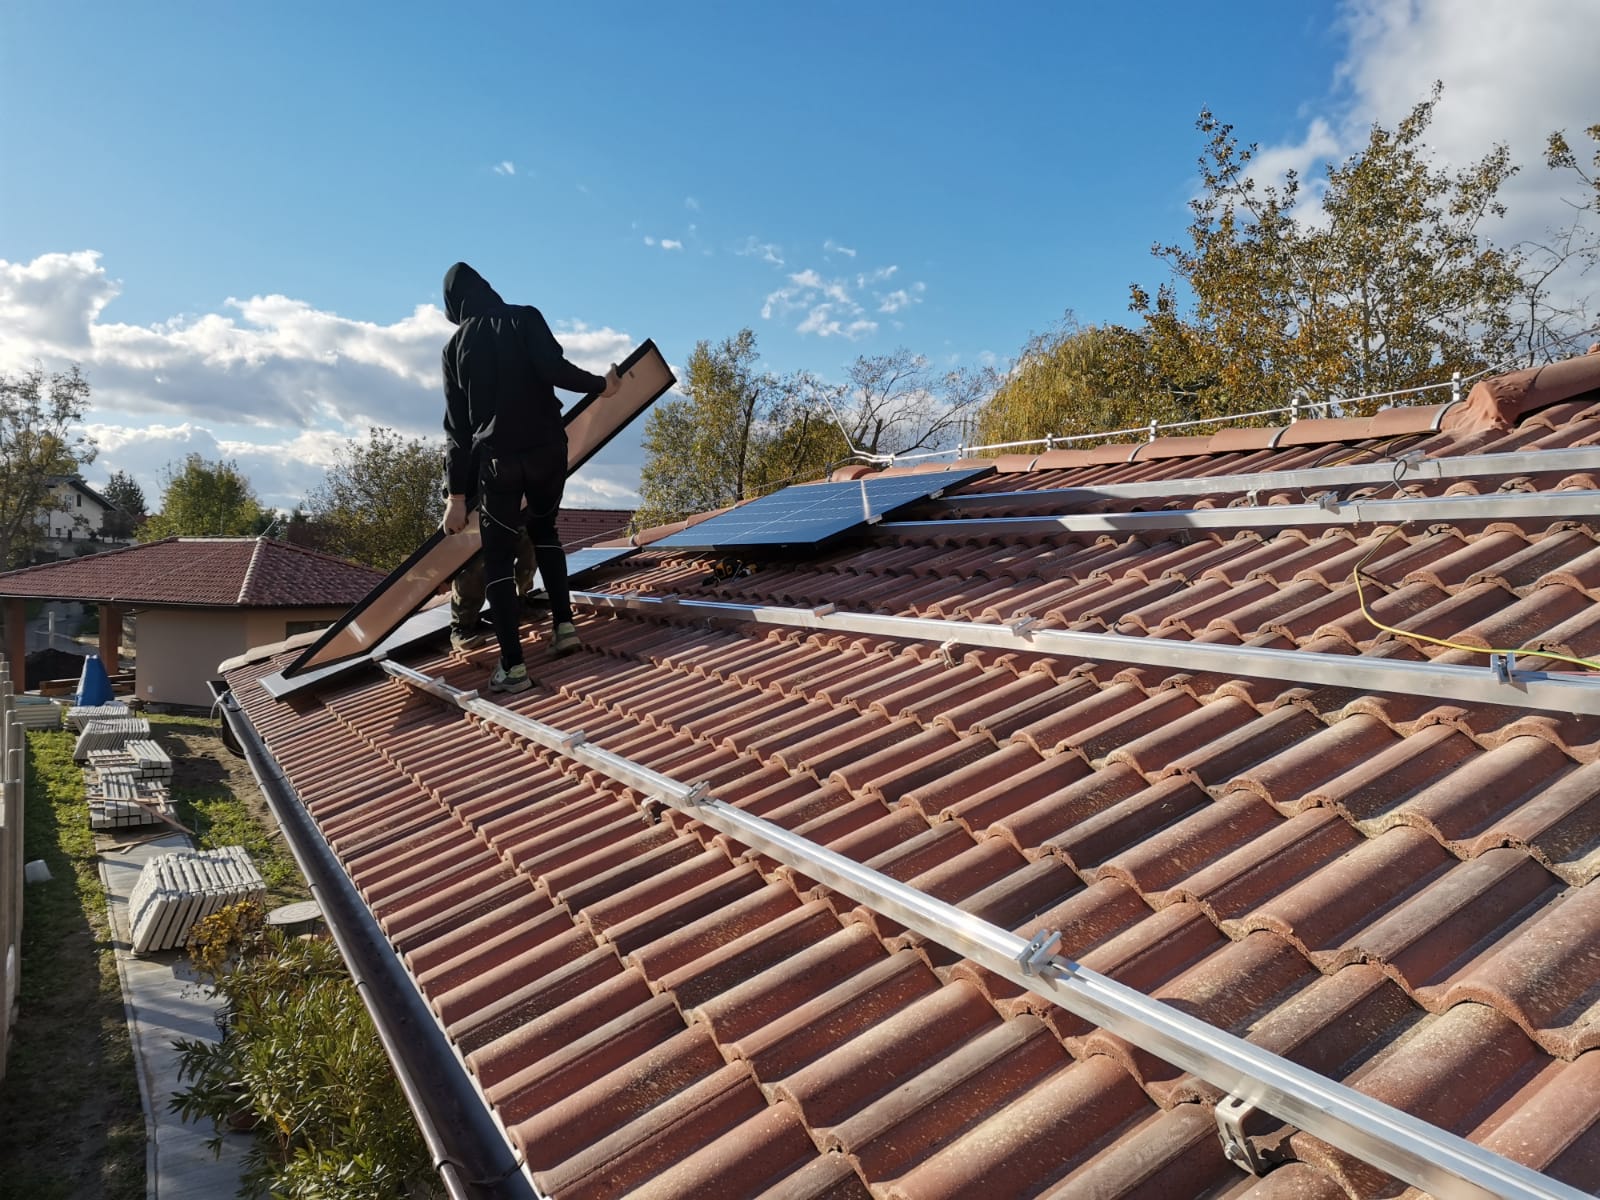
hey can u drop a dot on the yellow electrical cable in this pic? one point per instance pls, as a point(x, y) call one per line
point(1361, 598)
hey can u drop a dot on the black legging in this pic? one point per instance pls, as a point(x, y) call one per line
point(504, 481)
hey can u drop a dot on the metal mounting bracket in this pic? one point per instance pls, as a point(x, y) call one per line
point(1231, 1113)
point(945, 654)
point(1021, 627)
point(1035, 956)
point(1503, 666)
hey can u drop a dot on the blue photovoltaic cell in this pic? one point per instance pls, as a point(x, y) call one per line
point(590, 558)
point(811, 513)
point(582, 561)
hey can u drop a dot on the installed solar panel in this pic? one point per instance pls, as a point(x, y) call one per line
point(590, 558)
point(809, 514)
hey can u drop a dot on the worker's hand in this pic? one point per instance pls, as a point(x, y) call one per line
point(613, 382)
point(455, 515)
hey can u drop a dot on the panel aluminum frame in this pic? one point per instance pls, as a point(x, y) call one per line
point(590, 424)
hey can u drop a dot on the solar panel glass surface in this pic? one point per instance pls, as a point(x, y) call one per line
point(808, 514)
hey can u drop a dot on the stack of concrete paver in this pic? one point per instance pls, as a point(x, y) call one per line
point(140, 757)
point(80, 715)
point(176, 890)
point(119, 801)
point(38, 716)
point(109, 734)
point(129, 786)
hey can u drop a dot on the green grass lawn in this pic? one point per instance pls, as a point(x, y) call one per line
point(69, 1102)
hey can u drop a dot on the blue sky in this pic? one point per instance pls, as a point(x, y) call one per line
point(237, 220)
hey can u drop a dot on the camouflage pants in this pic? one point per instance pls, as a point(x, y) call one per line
point(467, 589)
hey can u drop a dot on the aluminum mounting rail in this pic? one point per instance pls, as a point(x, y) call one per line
point(1401, 470)
point(1500, 682)
point(1328, 510)
point(1442, 1163)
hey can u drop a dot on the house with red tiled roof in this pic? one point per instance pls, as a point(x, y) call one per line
point(579, 527)
point(196, 602)
point(1211, 816)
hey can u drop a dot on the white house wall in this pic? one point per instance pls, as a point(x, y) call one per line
point(179, 648)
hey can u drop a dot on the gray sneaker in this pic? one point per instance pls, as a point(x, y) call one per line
point(566, 640)
point(463, 640)
point(514, 680)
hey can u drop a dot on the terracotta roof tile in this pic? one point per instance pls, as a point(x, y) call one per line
point(203, 572)
point(1391, 890)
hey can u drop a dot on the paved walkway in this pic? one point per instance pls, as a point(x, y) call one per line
point(164, 1001)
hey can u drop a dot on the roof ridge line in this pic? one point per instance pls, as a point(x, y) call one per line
point(249, 571)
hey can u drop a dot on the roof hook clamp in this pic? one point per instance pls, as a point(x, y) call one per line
point(1231, 1113)
point(1504, 666)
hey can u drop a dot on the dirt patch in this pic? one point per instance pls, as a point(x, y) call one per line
point(201, 763)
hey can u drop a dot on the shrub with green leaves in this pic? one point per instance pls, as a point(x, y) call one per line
point(300, 1063)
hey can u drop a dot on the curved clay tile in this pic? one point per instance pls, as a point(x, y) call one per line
point(1503, 400)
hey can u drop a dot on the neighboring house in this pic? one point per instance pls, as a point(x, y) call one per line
point(195, 601)
point(74, 523)
point(1370, 853)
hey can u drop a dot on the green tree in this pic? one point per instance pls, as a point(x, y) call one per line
point(124, 492)
point(1080, 379)
point(1390, 285)
point(204, 499)
point(381, 498)
point(738, 432)
point(38, 445)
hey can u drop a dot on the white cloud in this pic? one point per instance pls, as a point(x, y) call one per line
point(901, 298)
point(671, 244)
point(691, 204)
point(269, 380)
point(1508, 78)
point(832, 247)
point(505, 167)
point(766, 251)
point(833, 306)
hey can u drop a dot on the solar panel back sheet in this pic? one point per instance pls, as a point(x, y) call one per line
point(812, 513)
point(590, 424)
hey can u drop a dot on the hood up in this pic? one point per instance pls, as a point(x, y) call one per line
point(468, 294)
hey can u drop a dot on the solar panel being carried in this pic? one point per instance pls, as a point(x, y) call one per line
point(590, 424)
point(813, 513)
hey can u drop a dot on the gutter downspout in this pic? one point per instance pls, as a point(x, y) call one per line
point(468, 1148)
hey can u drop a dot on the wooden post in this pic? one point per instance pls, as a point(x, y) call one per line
point(17, 642)
point(111, 637)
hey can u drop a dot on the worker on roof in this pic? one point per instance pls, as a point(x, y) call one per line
point(505, 441)
point(468, 630)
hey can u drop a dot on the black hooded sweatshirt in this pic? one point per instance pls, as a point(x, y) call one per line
point(501, 367)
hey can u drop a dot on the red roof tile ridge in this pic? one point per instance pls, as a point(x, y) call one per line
point(1501, 401)
point(249, 571)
